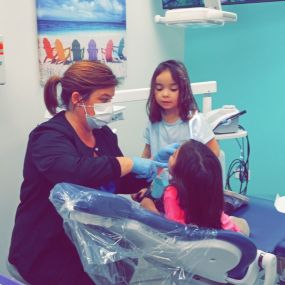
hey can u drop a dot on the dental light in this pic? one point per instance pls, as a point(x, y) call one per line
point(210, 15)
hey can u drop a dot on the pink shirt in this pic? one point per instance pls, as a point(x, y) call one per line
point(175, 213)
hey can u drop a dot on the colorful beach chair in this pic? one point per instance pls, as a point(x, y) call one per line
point(92, 50)
point(49, 50)
point(63, 55)
point(77, 51)
point(107, 53)
point(120, 49)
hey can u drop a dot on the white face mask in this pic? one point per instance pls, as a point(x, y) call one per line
point(104, 114)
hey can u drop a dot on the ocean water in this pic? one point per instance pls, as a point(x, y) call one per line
point(47, 27)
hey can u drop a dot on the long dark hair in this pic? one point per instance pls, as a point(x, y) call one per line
point(186, 101)
point(197, 175)
point(84, 77)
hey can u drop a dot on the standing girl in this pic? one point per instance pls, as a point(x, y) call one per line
point(173, 112)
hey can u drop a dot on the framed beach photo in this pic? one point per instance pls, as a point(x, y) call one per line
point(70, 31)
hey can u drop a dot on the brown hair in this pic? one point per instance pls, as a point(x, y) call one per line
point(84, 77)
point(186, 101)
point(197, 175)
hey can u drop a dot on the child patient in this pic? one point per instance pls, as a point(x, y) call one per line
point(195, 193)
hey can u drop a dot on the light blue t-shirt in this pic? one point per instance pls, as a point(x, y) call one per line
point(160, 134)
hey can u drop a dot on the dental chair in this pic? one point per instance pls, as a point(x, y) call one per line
point(121, 243)
point(267, 227)
point(4, 280)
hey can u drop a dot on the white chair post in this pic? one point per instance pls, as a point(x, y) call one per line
point(207, 103)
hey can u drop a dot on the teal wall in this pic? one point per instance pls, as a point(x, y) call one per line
point(247, 59)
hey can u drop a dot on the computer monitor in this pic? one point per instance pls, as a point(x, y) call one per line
point(195, 13)
point(176, 4)
point(233, 2)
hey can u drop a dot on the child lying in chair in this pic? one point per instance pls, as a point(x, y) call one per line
point(195, 193)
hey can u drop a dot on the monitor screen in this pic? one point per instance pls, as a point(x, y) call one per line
point(232, 2)
point(175, 4)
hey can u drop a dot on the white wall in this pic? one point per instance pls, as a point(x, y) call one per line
point(21, 104)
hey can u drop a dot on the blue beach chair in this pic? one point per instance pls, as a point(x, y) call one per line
point(77, 51)
point(92, 50)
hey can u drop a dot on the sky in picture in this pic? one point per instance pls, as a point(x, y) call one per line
point(82, 10)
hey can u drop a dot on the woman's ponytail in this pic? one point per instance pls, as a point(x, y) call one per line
point(50, 94)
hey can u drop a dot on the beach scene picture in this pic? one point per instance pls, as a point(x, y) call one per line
point(75, 30)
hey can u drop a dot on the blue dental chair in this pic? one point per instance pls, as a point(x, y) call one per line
point(267, 229)
point(121, 243)
point(4, 280)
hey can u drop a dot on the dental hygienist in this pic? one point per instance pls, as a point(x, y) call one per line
point(74, 146)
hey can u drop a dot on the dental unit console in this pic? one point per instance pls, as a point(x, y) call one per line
point(190, 16)
point(210, 14)
point(224, 120)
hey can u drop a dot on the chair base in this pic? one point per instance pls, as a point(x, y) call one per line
point(15, 273)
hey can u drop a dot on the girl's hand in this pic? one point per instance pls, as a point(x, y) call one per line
point(139, 195)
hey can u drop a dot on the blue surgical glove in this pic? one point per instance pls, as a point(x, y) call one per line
point(146, 168)
point(164, 154)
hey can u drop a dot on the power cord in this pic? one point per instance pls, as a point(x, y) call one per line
point(240, 167)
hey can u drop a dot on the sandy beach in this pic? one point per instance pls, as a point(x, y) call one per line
point(49, 67)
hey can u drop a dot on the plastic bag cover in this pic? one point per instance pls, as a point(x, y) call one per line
point(121, 243)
